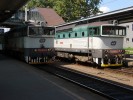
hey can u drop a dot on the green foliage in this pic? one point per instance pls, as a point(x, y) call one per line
point(129, 50)
point(69, 10)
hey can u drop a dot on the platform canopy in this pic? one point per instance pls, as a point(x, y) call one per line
point(9, 7)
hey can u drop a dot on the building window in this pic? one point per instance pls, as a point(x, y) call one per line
point(132, 39)
point(127, 39)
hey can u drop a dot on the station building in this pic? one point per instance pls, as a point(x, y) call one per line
point(40, 16)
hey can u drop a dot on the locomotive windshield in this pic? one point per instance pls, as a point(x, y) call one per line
point(41, 31)
point(114, 30)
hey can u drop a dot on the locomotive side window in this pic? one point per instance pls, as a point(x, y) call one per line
point(94, 31)
point(63, 35)
point(83, 34)
point(75, 34)
point(58, 36)
point(91, 31)
point(69, 35)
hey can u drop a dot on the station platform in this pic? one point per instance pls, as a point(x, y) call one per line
point(21, 81)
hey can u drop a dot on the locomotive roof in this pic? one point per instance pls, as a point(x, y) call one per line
point(94, 24)
point(81, 25)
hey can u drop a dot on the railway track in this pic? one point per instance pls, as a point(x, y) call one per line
point(100, 86)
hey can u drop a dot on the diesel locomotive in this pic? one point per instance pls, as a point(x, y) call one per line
point(32, 43)
point(98, 43)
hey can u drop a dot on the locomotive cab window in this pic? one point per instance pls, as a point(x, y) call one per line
point(48, 31)
point(114, 30)
point(41, 31)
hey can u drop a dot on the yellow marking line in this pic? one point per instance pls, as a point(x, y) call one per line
point(109, 65)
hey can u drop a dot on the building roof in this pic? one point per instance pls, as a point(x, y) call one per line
point(120, 15)
point(50, 16)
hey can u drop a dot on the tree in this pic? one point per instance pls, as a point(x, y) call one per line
point(69, 10)
point(40, 3)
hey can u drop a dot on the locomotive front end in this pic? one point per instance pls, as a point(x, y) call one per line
point(41, 43)
point(113, 52)
point(32, 43)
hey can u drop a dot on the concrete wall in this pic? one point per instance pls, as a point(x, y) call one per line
point(128, 40)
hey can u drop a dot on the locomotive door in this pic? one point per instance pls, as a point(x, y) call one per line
point(90, 38)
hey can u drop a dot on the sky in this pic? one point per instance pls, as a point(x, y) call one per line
point(112, 5)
